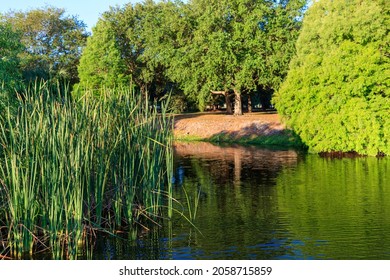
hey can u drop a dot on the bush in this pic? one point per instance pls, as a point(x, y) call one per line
point(336, 95)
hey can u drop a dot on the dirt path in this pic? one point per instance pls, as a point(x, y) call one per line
point(206, 125)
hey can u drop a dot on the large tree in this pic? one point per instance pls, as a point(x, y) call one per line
point(164, 27)
point(102, 63)
point(202, 46)
point(118, 52)
point(53, 43)
point(236, 45)
point(337, 92)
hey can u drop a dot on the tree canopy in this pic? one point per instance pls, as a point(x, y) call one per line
point(200, 46)
point(10, 75)
point(53, 43)
point(102, 63)
point(118, 52)
point(337, 92)
point(234, 45)
point(241, 44)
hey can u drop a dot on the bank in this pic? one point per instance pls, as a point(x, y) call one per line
point(260, 128)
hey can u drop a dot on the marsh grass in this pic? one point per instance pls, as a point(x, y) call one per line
point(69, 168)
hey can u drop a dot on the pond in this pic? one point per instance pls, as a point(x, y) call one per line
point(245, 203)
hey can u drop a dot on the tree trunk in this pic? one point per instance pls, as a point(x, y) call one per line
point(229, 109)
point(237, 167)
point(237, 103)
point(249, 103)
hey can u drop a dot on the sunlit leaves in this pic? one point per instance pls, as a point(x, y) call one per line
point(101, 63)
point(199, 46)
point(336, 95)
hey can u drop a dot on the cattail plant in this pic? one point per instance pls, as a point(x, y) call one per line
point(70, 167)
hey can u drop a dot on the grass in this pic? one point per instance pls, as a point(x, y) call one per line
point(190, 138)
point(69, 168)
point(286, 139)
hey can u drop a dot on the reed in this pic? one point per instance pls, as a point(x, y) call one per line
point(71, 167)
point(192, 202)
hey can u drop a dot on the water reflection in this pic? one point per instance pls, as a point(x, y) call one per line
point(251, 203)
point(239, 215)
point(235, 164)
point(339, 208)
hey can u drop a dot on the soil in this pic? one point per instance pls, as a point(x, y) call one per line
point(207, 125)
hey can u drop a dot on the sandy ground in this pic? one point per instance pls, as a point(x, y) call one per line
point(206, 125)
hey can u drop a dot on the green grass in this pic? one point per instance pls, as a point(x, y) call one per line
point(285, 139)
point(69, 168)
point(189, 138)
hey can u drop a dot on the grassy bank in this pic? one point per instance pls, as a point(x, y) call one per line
point(258, 128)
point(69, 168)
point(284, 139)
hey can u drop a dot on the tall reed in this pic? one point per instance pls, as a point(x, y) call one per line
point(70, 167)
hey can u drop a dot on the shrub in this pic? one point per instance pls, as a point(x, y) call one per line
point(336, 95)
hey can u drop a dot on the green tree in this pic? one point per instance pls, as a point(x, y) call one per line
point(113, 55)
point(130, 44)
point(337, 92)
point(230, 45)
point(163, 26)
point(10, 48)
point(235, 45)
point(53, 43)
point(102, 63)
point(10, 76)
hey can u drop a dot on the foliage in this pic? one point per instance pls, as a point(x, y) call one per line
point(53, 43)
point(235, 45)
point(337, 92)
point(118, 51)
point(70, 168)
point(177, 104)
point(102, 64)
point(10, 48)
point(200, 45)
point(10, 75)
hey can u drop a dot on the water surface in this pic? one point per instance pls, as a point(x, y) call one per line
point(253, 203)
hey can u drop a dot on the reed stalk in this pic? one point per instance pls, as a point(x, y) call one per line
point(71, 167)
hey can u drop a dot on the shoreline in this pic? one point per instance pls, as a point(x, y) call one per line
point(260, 128)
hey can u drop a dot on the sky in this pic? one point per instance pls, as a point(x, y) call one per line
point(88, 11)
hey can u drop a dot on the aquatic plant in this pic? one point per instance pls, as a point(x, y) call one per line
point(70, 167)
point(192, 202)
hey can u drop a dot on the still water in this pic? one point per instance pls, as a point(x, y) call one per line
point(252, 203)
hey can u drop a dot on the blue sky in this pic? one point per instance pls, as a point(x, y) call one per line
point(87, 10)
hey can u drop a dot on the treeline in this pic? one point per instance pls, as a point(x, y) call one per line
point(43, 44)
point(330, 69)
point(231, 47)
